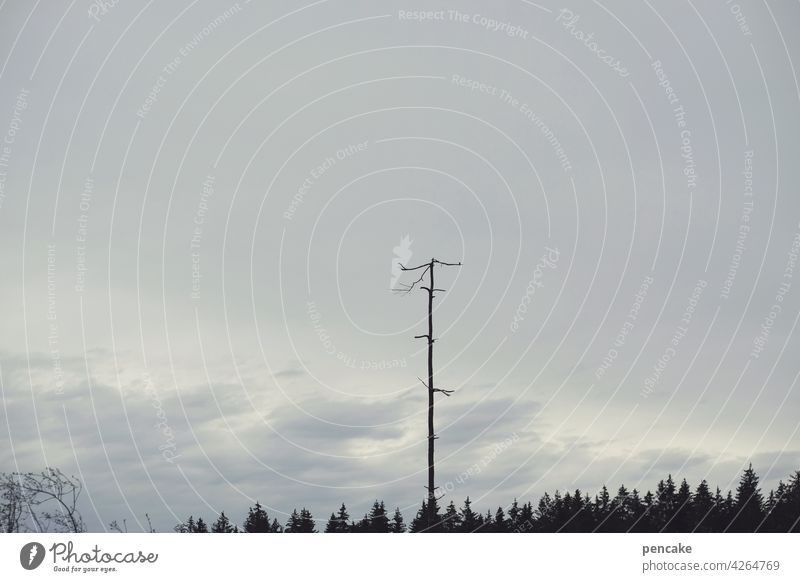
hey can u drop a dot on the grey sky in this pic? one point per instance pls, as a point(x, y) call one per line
point(202, 202)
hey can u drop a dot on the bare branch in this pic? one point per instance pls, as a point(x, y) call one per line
point(443, 391)
point(404, 268)
point(409, 288)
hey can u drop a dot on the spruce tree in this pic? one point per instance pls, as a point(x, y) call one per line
point(451, 521)
point(420, 522)
point(306, 524)
point(701, 517)
point(635, 512)
point(771, 508)
point(679, 522)
point(500, 521)
point(619, 519)
point(223, 525)
point(397, 525)
point(428, 518)
point(665, 503)
point(293, 523)
point(603, 508)
point(488, 523)
point(790, 506)
point(257, 520)
point(545, 521)
point(339, 523)
point(378, 520)
point(469, 520)
point(645, 522)
point(526, 519)
point(513, 516)
point(748, 509)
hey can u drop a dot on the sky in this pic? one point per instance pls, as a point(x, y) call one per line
point(204, 206)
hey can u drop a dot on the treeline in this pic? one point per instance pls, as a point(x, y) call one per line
point(672, 508)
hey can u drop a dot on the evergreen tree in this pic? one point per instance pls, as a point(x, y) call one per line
point(701, 518)
point(513, 516)
point(397, 525)
point(636, 510)
point(307, 524)
point(526, 519)
point(723, 512)
point(338, 523)
point(784, 512)
point(619, 518)
point(257, 520)
point(469, 520)
point(451, 521)
point(301, 522)
point(420, 522)
point(201, 526)
point(748, 509)
point(770, 509)
point(582, 517)
point(428, 519)
point(500, 522)
point(665, 503)
point(378, 521)
point(275, 527)
point(360, 526)
point(488, 523)
point(545, 518)
point(188, 526)
point(602, 511)
point(223, 525)
point(645, 522)
point(293, 523)
point(679, 522)
point(789, 506)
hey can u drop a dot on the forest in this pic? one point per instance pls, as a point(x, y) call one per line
point(671, 508)
point(49, 502)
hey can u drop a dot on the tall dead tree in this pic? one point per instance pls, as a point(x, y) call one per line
point(427, 269)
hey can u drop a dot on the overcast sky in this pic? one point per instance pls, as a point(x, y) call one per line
point(203, 205)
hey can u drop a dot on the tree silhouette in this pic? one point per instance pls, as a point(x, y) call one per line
point(679, 521)
point(451, 520)
point(428, 519)
point(338, 523)
point(223, 525)
point(748, 509)
point(257, 520)
point(397, 525)
point(428, 269)
point(670, 509)
point(470, 521)
point(701, 518)
point(501, 524)
point(301, 522)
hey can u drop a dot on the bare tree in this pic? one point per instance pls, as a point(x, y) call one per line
point(427, 269)
point(41, 502)
point(12, 503)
